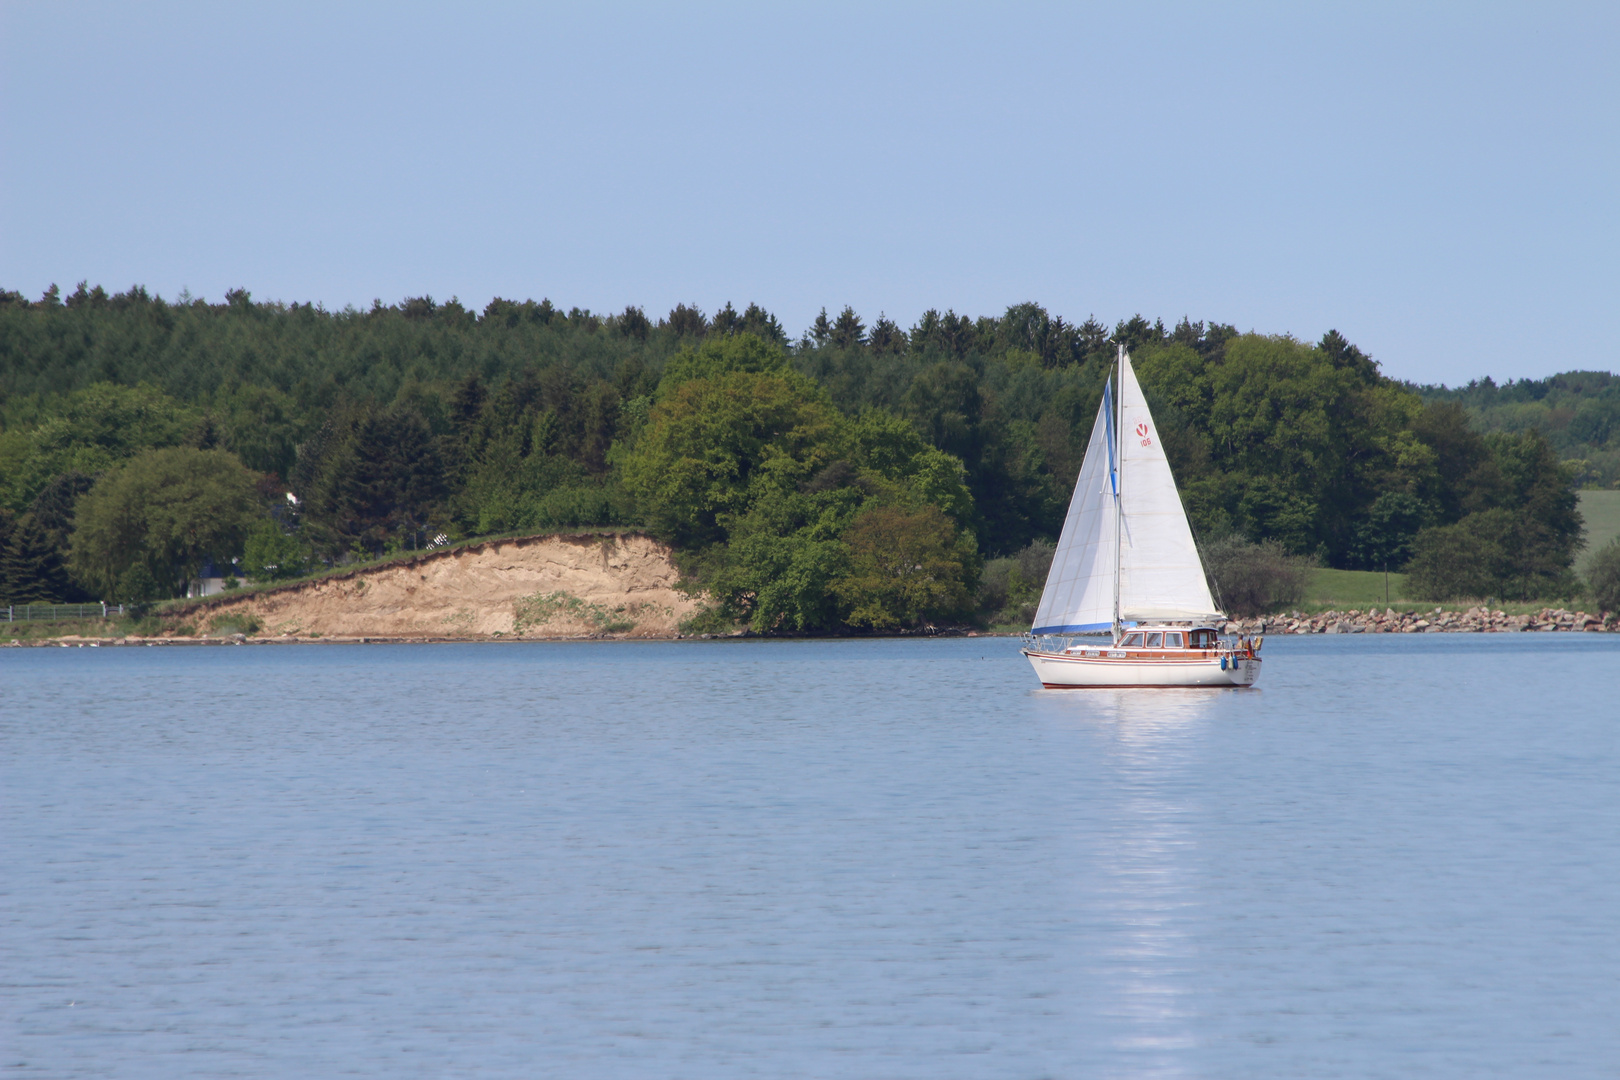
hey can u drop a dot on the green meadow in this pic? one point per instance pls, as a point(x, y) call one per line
point(1352, 589)
point(1601, 509)
point(1342, 589)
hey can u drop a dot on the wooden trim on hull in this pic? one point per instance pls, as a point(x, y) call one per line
point(1143, 686)
point(1060, 671)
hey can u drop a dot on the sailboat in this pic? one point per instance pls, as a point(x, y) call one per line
point(1126, 566)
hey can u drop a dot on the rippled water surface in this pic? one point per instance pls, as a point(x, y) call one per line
point(1399, 857)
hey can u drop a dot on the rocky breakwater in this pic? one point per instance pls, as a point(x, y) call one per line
point(1475, 620)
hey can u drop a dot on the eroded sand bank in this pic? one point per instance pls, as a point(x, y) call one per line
point(544, 586)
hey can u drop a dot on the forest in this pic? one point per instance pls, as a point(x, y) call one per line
point(1577, 411)
point(859, 476)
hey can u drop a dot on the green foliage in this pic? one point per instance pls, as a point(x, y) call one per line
point(146, 527)
point(1520, 545)
point(371, 476)
point(1015, 501)
point(746, 456)
point(1010, 587)
point(708, 619)
point(722, 356)
point(1603, 577)
point(1492, 553)
point(1252, 579)
point(31, 566)
point(270, 553)
point(263, 429)
point(784, 581)
point(234, 622)
point(908, 566)
point(33, 546)
point(8, 528)
point(536, 611)
point(138, 587)
point(1467, 559)
point(756, 454)
point(86, 432)
point(1577, 412)
point(714, 444)
point(1384, 540)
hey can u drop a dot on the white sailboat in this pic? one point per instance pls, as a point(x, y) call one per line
point(1126, 565)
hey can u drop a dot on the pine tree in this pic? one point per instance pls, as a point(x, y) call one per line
point(1136, 331)
point(32, 567)
point(1343, 355)
point(821, 329)
point(633, 323)
point(726, 320)
point(887, 338)
point(763, 325)
point(686, 321)
point(848, 332)
point(8, 526)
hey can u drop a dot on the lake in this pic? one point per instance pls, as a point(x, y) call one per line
point(1399, 856)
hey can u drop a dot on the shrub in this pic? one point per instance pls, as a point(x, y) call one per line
point(1603, 576)
point(1453, 561)
point(1010, 588)
point(996, 585)
point(271, 554)
point(1253, 579)
point(235, 623)
point(1514, 555)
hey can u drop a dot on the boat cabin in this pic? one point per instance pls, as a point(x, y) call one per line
point(1201, 637)
point(1156, 639)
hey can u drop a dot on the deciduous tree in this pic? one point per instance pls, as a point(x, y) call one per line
point(908, 565)
point(164, 511)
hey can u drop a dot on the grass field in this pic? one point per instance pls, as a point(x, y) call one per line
point(1601, 509)
point(1360, 588)
point(1343, 590)
point(1352, 589)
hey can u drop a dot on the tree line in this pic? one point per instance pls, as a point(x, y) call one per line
point(1578, 412)
point(860, 475)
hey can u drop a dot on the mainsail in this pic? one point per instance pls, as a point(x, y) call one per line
point(1126, 519)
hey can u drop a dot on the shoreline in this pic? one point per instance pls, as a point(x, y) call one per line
point(1476, 620)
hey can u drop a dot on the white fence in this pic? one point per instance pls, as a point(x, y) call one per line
point(60, 612)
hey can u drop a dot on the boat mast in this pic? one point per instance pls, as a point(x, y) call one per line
point(1119, 474)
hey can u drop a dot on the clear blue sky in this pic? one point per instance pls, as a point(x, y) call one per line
point(1439, 182)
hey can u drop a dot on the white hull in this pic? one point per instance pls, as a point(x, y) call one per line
point(1062, 671)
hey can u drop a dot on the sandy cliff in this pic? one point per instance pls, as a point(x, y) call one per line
point(545, 586)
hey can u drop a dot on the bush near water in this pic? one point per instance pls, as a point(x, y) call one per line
point(860, 476)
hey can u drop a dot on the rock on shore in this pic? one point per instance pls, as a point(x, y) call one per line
point(1475, 620)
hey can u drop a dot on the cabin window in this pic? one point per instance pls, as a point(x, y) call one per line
point(1172, 641)
point(1133, 640)
point(1154, 640)
point(1203, 639)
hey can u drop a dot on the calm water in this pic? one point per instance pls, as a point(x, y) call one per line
point(1400, 857)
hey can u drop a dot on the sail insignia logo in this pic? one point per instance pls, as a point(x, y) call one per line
point(1142, 430)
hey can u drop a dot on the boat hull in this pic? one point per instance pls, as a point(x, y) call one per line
point(1066, 671)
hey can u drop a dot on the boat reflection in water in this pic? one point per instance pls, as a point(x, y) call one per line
point(1141, 875)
